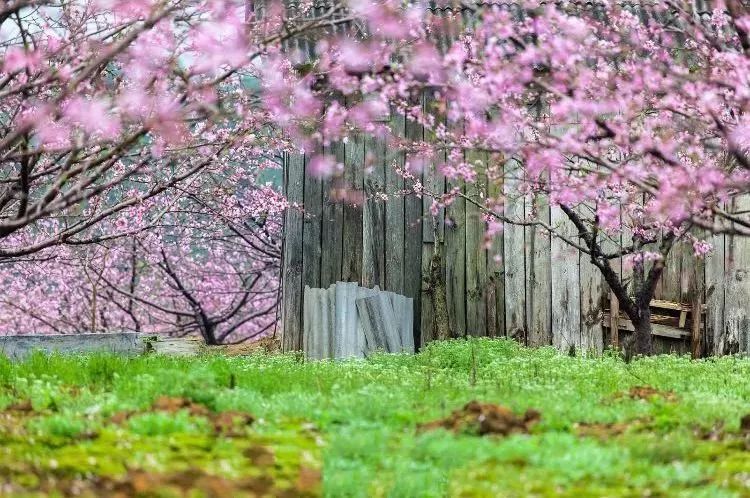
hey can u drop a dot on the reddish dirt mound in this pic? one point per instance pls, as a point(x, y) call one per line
point(484, 419)
point(21, 406)
point(140, 483)
point(172, 404)
point(229, 423)
point(603, 430)
point(648, 392)
point(266, 344)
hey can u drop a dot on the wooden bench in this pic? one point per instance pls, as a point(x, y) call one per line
point(668, 319)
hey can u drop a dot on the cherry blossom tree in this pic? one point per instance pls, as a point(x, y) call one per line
point(131, 142)
point(628, 120)
point(210, 268)
point(107, 104)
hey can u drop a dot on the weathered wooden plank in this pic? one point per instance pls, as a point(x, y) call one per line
point(673, 277)
point(495, 259)
point(455, 252)
point(406, 321)
point(351, 255)
point(455, 262)
point(394, 212)
point(432, 179)
point(593, 294)
point(514, 248)
point(715, 292)
point(539, 285)
point(693, 292)
point(656, 328)
point(20, 346)
point(736, 332)
point(427, 310)
point(173, 346)
point(311, 232)
point(566, 297)
point(612, 243)
point(332, 223)
point(413, 221)
point(373, 218)
point(433, 225)
point(476, 254)
point(292, 254)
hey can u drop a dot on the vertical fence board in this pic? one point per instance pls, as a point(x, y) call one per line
point(353, 177)
point(292, 266)
point(373, 216)
point(394, 212)
point(566, 298)
point(539, 284)
point(433, 226)
point(495, 261)
point(413, 233)
point(734, 337)
point(311, 248)
point(612, 243)
point(332, 231)
point(455, 263)
point(476, 255)
point(514, 248)
point(715, 291)
point(670, 284)
point(593, 293)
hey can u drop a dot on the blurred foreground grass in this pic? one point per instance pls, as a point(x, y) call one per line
point(274, 425)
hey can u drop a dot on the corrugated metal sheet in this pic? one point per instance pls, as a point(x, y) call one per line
point(335, 320)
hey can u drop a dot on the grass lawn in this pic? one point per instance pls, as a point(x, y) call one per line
point(266, 425)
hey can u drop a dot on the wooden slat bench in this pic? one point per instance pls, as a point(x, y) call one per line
point(668, 319)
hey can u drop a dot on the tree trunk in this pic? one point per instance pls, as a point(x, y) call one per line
point(439, 299)
point(641, 342)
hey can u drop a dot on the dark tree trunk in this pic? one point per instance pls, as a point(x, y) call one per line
point(642, 343)
point(439, 298)
point(209, 334)
point(437, 289)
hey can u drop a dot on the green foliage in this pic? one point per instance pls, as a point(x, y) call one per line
point(364, 415)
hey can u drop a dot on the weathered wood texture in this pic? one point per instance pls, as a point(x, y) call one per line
point(17, 347)
point(364, 227)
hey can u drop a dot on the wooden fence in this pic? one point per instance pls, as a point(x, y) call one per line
point(360, 227)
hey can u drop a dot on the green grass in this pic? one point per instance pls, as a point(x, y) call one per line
point(357, 420)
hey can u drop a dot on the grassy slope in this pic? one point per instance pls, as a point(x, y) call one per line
point(359, 418)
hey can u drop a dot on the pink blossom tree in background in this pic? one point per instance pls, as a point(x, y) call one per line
point(626, 119)
point(131, 146)
point(204, 270)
